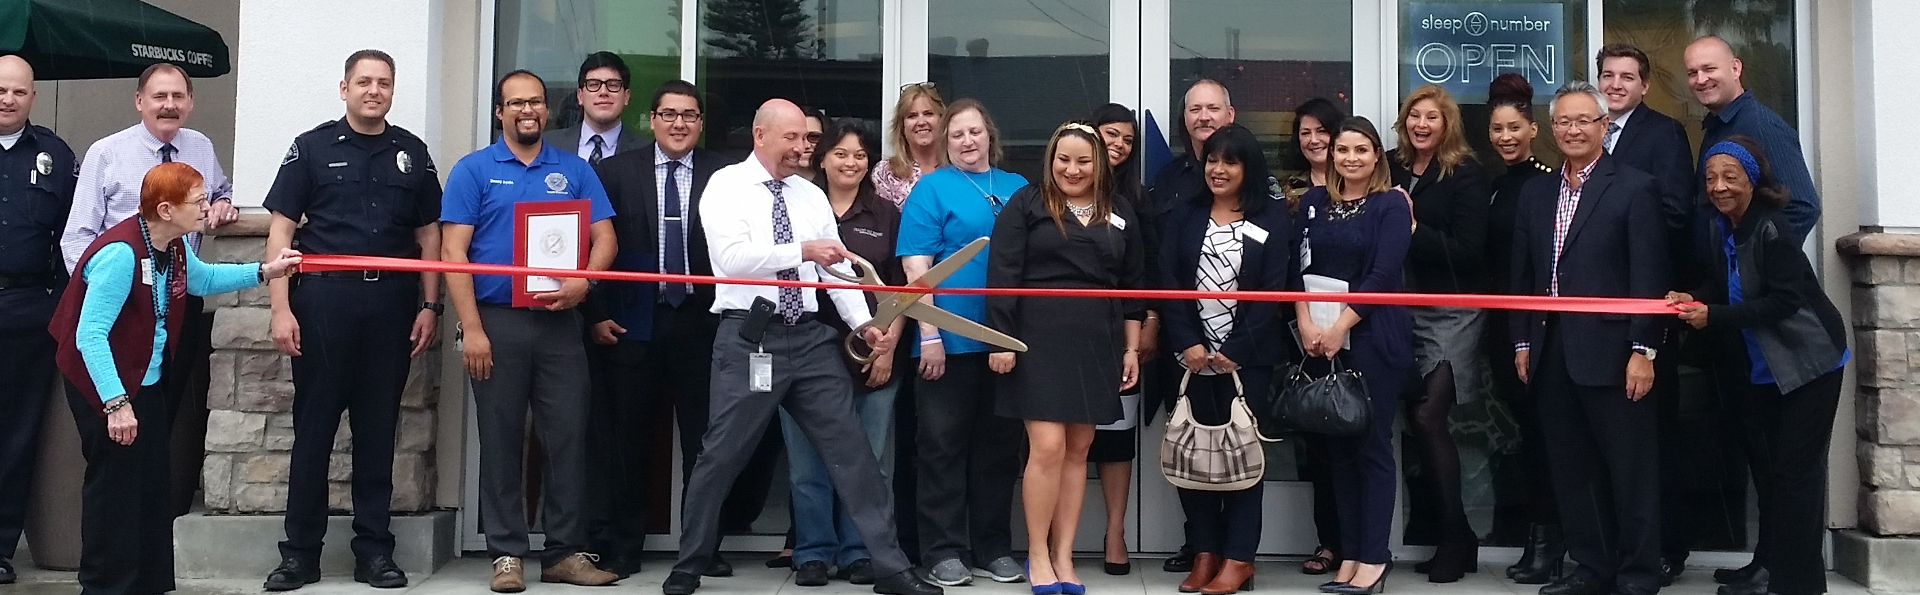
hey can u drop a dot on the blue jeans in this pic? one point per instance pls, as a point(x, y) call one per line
point(820, 531)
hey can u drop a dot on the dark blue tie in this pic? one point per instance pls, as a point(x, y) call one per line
point(675, 249)
point(166, 153)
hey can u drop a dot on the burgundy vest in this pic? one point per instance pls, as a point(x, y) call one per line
point(131, 338)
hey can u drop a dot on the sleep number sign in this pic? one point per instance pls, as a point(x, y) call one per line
point(1462, 46)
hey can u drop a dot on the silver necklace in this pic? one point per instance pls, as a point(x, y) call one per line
point(993, 201)
point(1081, 212)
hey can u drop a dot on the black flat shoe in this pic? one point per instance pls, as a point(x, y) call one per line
point(680, 583)
point(7, 575)
point(1119, 568)
point(380, 573)
point(811, 573)
point(718, 567)
point(1577, 583)
point(860, 572)
point(1182, 561)
point(292, 573)
point(785, 561)
point(905, 582)
point(1728, 576)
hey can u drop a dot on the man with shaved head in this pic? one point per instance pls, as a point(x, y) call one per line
point(37, 175)
point(1713, 73)
point(764, 222)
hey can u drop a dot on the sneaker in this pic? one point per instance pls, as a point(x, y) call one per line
point(811, 573)
point(951, 572)
point(1002, 570)
point(578, 569)
point(507, 576)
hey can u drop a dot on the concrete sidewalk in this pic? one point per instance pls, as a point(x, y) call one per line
point(468, 576)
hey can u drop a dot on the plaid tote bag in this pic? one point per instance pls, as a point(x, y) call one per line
point(1220, 458)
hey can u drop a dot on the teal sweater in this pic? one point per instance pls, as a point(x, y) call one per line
point(110, 275)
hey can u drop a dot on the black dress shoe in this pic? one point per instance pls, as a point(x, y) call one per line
point(905, 582)
point(621, 566)
point(718, 567)
point(380, 573)
point(1758, 584)
point(292, 573)
point(1182, 561)
point(1728, 576)
point(1634, 590)
point(782, 561)
point(860, 572)
point(811, 573)
point(1119, 569)
point(7, 575)
point(680, 583)
point(1577, 583)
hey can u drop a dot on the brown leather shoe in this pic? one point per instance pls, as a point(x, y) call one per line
point(506, 575)
point(578, 569)
point(1234, 575)
point(1205, 565)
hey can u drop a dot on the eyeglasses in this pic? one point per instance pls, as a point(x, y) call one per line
point(673, 116)
point(525, 104)
point(1565, 123)
point(928, 85)
point(813, 138)
point(611, 85)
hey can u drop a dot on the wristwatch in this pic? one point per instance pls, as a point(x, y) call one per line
point(436, 307)
point(1650, 352)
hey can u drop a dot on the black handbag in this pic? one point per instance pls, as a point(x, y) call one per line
point(1336, 404)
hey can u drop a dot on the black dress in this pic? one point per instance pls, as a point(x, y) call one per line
point(1071, 370)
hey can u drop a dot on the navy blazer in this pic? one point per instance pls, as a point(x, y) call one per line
point(1657, 145)
point(1256, 338)
point(1607, 253)
point(629, 179)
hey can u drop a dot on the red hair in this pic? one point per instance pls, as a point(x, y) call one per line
point(170, 183)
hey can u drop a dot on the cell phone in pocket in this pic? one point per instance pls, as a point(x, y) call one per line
point(759, 315)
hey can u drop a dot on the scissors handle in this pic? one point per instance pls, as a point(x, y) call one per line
point(864, 272)
point(854, 340)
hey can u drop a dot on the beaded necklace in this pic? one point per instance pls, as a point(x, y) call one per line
point(151, 264)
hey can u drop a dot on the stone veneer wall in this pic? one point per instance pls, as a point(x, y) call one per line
point(1886, 318)
point(250, 399)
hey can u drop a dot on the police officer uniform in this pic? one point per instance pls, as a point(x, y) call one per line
point(37, 177)
point(359, 195)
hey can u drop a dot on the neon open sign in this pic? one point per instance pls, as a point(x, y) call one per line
point(1463, 46)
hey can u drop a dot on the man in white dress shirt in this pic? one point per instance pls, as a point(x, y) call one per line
point(763, 221)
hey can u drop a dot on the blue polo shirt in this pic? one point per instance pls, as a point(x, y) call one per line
point(947, 210)
point(484, 186)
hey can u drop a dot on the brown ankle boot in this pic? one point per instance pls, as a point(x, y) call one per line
point(1205, 565)
point(1234, 575)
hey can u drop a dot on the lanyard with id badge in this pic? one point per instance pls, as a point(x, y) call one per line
point(753, 329)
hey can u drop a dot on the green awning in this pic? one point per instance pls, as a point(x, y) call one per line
point(97, 39)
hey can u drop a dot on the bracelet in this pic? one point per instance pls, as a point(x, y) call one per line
point(260, 274)
point(115, 405)
point(929, 340)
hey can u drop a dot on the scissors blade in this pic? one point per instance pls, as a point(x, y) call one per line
point(941, 271)
point(954, 323)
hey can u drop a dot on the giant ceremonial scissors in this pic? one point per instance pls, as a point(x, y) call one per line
point(893, 305)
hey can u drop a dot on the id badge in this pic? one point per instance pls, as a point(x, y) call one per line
point(760, 372)
point(146, 271)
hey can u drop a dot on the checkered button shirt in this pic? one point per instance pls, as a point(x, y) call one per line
point(1568, 204)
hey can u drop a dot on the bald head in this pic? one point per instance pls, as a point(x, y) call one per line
point(1713, 72)
point(779, 137)
point(16, 93)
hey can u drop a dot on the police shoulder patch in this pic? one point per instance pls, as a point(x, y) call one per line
point(293, 153)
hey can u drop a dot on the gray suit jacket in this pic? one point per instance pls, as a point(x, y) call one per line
point(568, 140)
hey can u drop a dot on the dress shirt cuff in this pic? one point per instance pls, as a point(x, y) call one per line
point(1522, 346)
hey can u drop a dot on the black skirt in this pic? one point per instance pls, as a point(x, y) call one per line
point(1071, 370)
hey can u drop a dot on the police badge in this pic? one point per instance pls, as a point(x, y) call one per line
point(404, 162)
point(43, 163)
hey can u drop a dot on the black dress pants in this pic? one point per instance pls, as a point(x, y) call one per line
point(617, 443)
point(1606, 466)
point(26, 377)
point(354, 358)
point(968, 462)
point(1224, 522)
point(126, 522)
point(1788, 437)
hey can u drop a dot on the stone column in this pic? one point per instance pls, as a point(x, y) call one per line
point(250, 399)
point(1885, 271)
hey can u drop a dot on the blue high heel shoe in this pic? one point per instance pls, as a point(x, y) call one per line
point(1053, 588)
point(1072, 588)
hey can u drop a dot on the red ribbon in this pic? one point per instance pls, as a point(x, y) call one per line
point(1589, 305)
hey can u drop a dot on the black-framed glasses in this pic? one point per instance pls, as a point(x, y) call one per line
point(525, 104)
point(673, 116)
point(611, 85)
point(928, 85)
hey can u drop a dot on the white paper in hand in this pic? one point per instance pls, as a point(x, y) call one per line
point(1324, 314)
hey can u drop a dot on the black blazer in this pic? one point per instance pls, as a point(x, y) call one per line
point(1606, 254)
point(1256, 339)
point(629, 180)
point(1657, 145)
point(1445, 253)
point(1799, 331)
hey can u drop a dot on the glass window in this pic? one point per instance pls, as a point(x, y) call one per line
point(823, 54)
point(551, 37)
point(1272, 56)
point(1033, 63)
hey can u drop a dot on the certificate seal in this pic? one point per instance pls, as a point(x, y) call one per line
point(553, 243)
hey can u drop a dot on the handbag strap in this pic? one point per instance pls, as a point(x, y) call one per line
point(1238, 388)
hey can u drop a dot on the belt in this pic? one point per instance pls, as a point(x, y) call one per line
point(364, 275)
point(40, 281)
point(804, 316)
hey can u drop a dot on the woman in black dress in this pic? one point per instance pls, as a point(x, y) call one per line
point(1235, 237)
point(1511, 130)
point(1450, 197)
point(1115, 445)
point(1356, 230)
point(1071, 232)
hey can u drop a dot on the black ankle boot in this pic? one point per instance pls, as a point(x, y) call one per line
point(1457, 556)
point(1549, 550)
point(1527, 551)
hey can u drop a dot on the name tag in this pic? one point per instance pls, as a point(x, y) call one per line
point(146, 272)
point(1253, 232)
point(760, 372)
point(1118, 222)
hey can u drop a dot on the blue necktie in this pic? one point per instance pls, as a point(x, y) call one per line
point(675, 250)
point(166, 153)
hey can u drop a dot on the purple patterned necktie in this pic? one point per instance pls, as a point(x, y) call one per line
point(790, 305)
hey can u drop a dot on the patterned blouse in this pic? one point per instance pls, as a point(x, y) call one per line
point(1220, 265)
point(891, 187)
